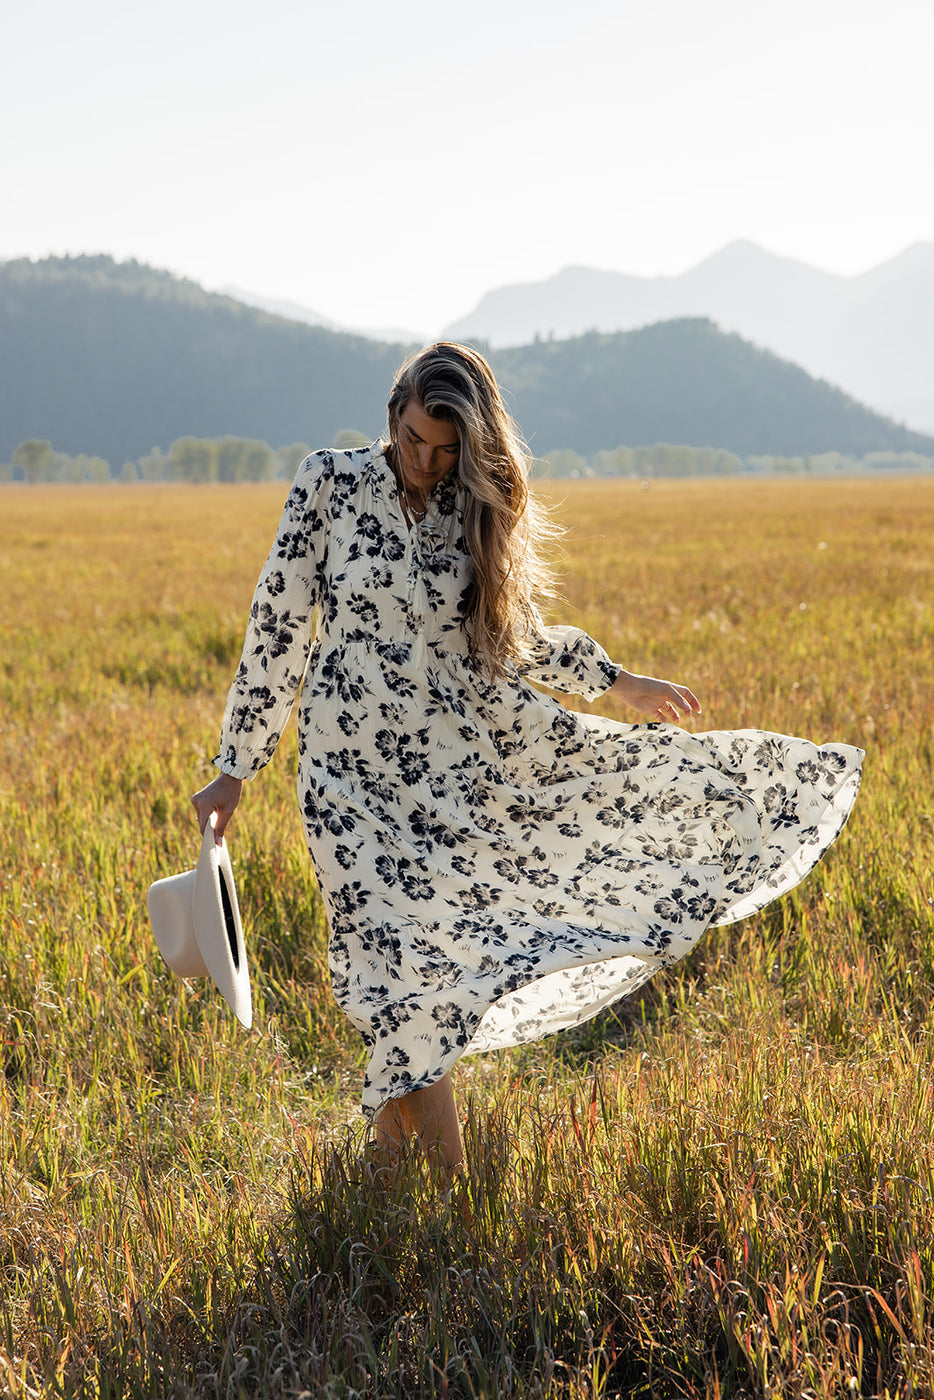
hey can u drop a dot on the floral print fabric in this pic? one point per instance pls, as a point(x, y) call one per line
point(494, 866)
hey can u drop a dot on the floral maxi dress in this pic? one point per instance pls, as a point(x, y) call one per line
point(494, 866)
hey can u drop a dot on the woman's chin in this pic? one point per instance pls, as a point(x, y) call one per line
point(423, 481)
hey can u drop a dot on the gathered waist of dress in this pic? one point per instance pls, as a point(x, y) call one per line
point(400, 651)
point(416, 671)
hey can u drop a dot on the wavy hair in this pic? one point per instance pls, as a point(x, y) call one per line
point(505, 529)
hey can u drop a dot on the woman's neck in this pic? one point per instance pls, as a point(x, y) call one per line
point(414, 505)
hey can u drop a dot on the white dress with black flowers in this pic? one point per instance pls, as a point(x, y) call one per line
point(494, 866)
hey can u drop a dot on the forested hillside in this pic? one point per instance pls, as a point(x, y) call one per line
point(686, 381)
point(114, 359)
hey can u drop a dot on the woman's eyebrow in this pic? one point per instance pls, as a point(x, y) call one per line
point(445, 447)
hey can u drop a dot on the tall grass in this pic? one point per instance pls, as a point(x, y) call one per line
point(723, 1189)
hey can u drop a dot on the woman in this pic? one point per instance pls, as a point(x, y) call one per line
point(494, 867)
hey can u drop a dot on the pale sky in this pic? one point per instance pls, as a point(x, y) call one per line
point(386, 164)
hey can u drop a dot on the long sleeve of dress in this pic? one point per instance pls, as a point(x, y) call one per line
point(279, 631)
point(567, 659)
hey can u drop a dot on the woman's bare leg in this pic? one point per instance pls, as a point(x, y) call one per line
point(431, 1116)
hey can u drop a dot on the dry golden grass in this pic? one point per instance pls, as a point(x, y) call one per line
point(724, 1190)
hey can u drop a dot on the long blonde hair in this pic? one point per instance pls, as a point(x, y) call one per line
point(505, 528)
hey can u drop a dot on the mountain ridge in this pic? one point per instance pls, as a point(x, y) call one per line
point(872, 333)
point(297, 311)
point(115, 358)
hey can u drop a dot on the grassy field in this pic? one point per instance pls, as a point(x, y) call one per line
point(725, 1189)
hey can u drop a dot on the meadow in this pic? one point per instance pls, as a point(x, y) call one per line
point(724, 1188)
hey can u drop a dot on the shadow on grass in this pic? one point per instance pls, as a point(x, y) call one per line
point(583, 1255)
point(389, 1286)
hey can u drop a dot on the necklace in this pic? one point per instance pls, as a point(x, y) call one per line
point(414, 517)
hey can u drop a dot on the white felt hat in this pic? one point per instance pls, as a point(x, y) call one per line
point(196, 920)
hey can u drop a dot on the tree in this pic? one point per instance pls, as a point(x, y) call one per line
point(193, 459)
point(619, 462)
point(97, 469)
point(154, 466)
point(349, 438)
point(564, 462)
point(36, 458)
point(229, 454)
point(244, 459)
point(259, 463)
point(289, 459)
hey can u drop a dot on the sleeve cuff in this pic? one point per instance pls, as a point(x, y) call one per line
point(232, 769)
point(609, 671)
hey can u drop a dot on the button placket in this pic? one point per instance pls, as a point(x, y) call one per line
point(418, 594)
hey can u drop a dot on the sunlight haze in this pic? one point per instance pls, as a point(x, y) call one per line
point(386, 167)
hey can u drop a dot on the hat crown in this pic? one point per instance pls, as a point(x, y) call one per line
point(196, 922)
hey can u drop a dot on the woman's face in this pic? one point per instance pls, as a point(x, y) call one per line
point(428, 449)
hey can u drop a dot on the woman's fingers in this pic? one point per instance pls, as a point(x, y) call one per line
point(220, 796)
point(204, 810)
point(679, 699)
point(687, 700)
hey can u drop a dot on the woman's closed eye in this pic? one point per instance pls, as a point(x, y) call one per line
point(452, 450)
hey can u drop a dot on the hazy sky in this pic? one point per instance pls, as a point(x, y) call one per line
point(388, 163)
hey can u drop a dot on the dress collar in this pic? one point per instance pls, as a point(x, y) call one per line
point(442, 501)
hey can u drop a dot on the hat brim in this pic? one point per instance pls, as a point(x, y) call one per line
point(218, 928)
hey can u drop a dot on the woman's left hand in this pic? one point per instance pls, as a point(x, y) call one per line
point(655, 699)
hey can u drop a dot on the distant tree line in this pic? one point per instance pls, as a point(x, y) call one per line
point(190, 459)
point(231, 459)
point(226, 459)
point(667, 459)
point(661, 459)
point(36, 460)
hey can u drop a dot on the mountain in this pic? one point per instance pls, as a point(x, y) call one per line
point(116, 358)
point(290, 310)
point(872, 334)
point(295, 311)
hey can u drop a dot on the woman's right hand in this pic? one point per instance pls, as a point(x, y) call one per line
point(221, 796)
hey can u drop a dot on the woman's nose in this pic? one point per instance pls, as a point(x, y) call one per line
point(424, 457)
